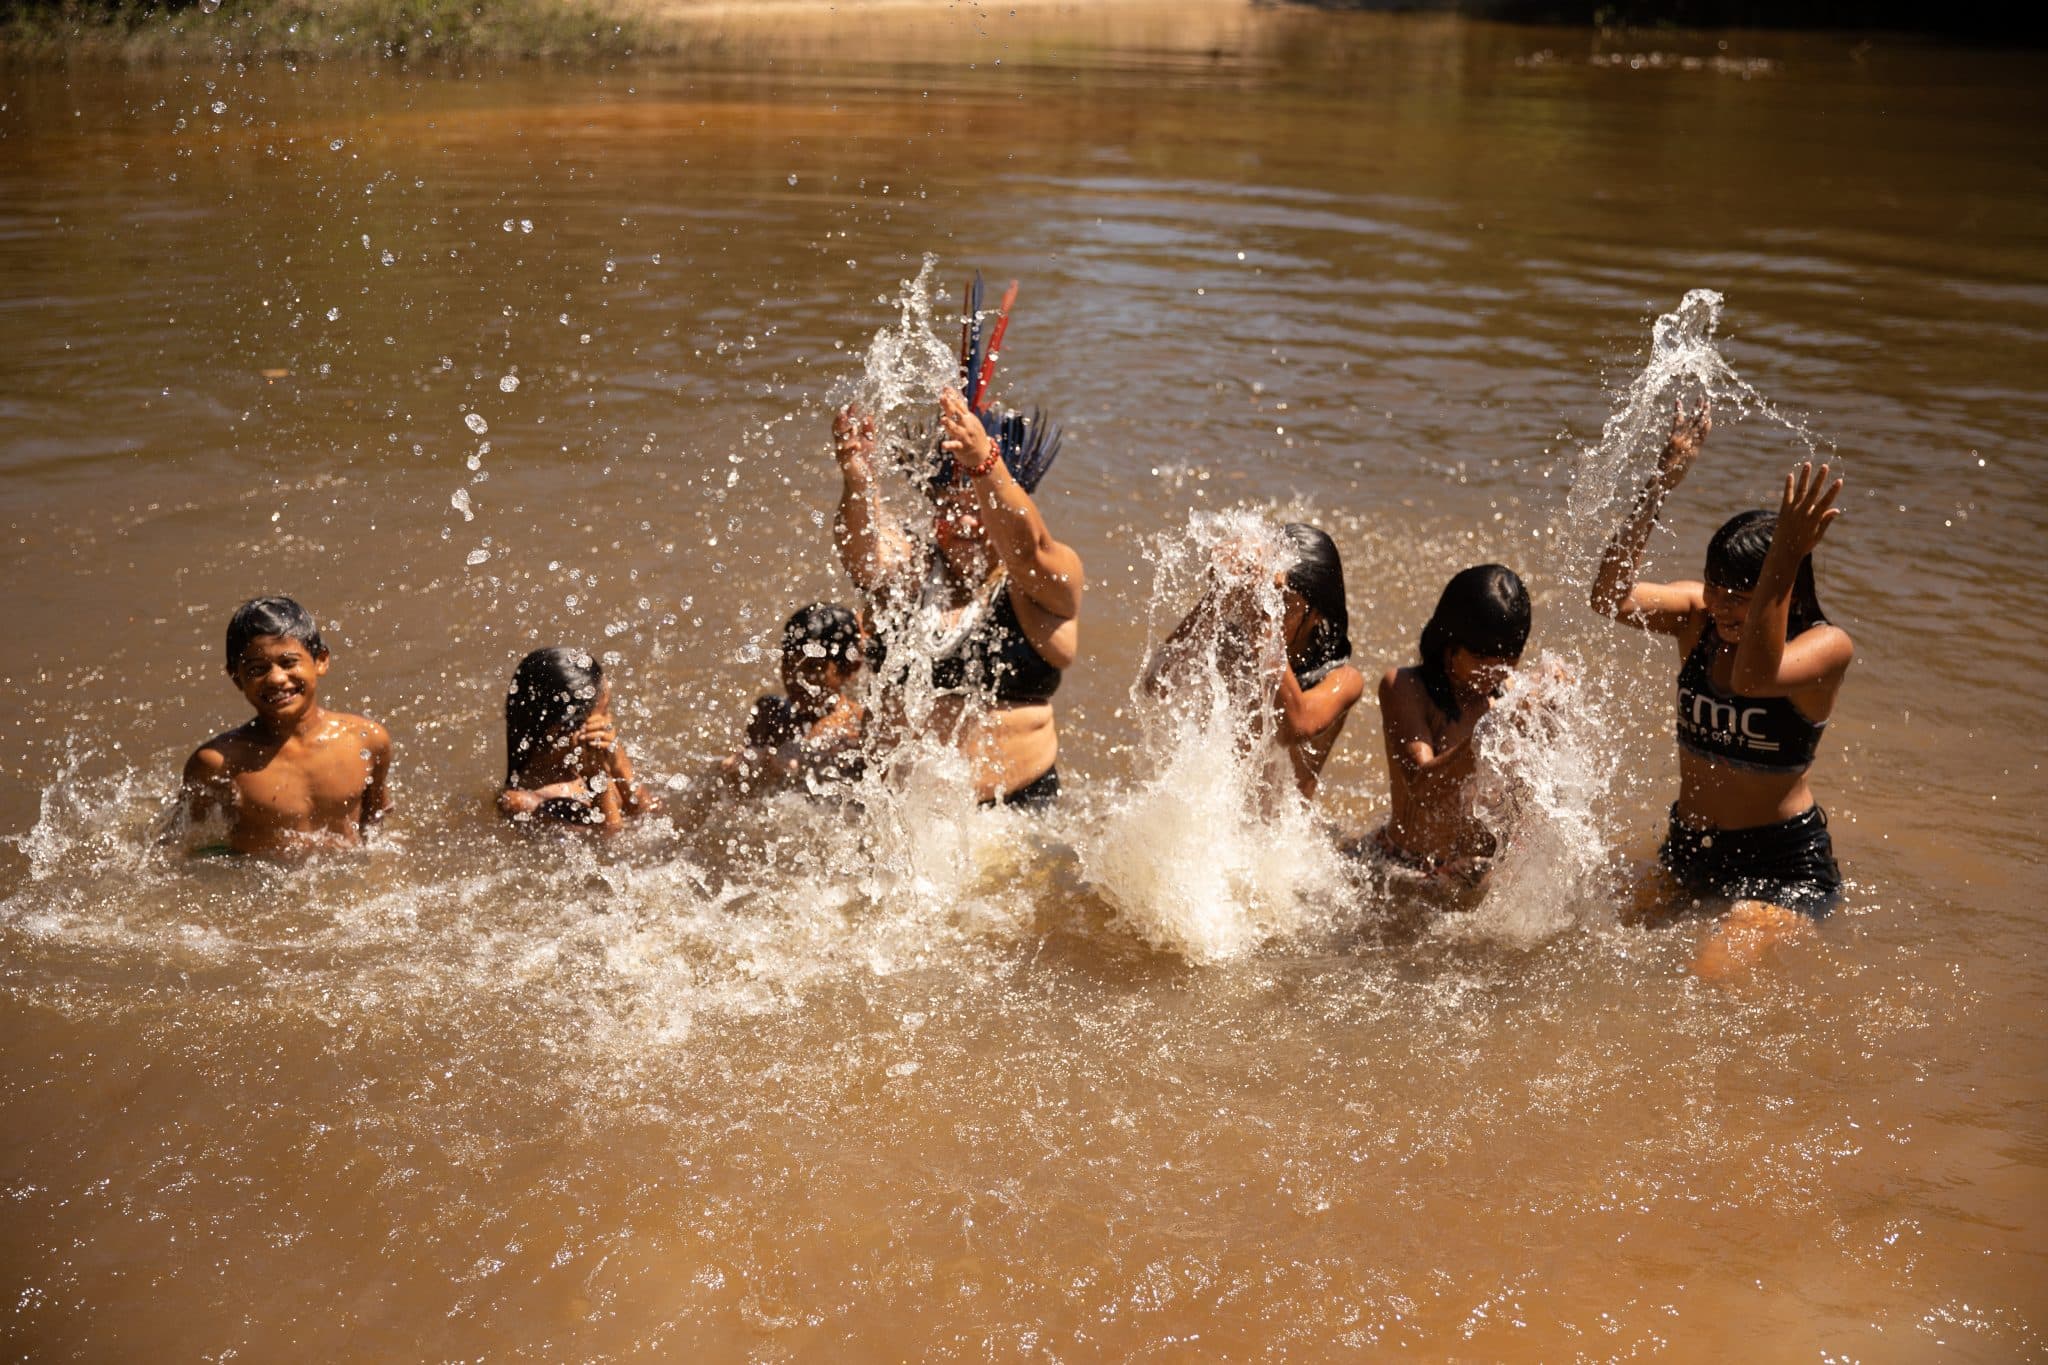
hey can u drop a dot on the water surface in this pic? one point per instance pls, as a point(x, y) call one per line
point(797, 1083)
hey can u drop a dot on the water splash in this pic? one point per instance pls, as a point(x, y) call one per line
point(905, 367)
point(1212, 853)
point(1545, 768)
point(1685, 363)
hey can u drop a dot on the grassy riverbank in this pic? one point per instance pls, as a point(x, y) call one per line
point(138, 31)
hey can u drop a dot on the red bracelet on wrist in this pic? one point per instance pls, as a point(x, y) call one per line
point(988, 462)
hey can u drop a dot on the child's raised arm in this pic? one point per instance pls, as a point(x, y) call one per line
point(873, 550)
point(1660, 608)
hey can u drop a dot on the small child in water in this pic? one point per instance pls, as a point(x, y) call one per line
point(564, 764)
point(296, 777)
point(1430, 710)
point(813, 730)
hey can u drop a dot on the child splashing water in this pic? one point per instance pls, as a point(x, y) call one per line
point(564, 764)
point(1762, 669)
point(297, 777)
point(1217, 847)
point(1305, 664)
point(988, 599)
point(1431, 712)
point(812, 732)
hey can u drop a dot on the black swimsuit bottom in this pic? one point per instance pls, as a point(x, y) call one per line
point(1791, 863)
point(1036, 795)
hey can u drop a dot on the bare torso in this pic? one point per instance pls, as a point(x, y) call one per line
point(1433, 819)
point(295, 794)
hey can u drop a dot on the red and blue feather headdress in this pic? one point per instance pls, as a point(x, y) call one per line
point(1028, 445)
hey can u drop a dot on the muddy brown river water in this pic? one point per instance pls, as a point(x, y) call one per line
point(923, 1082)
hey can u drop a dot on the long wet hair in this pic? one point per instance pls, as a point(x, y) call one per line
point(1315, 574)
point(551, 689)
point(1484, 610)
point(261, 616)
point(1735, 560)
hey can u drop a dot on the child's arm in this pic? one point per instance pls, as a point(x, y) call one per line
point(1306, 713)
point(873, 550)
point(1660, 608)
point(1041, 568)
point(1766, 664)
point(517, 801)
point(205, 790)
point(377, 790)
point(608, 770)
point(1172, 654)
point(1412, 747)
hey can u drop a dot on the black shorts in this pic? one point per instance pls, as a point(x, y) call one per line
point(1037, 794)
point(1791, 863)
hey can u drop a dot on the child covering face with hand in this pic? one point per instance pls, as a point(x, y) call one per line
point(564, 763)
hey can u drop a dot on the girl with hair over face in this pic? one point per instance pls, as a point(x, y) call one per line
point(997, 592)
point(1762, 668)
point(564, 764)
point(1313, 684)
point(1430, 711)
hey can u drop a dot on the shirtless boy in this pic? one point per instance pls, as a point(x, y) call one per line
point(298, 776)
point(812, 732)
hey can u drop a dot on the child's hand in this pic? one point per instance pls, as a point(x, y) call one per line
point(599, 732)
point(1688, 433)
point(853, 439)
point(966, 440)
point(1806, 512)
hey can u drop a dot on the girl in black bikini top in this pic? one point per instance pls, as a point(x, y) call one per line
point(1765, 733)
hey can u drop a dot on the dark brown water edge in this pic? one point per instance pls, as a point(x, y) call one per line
point(743, 1092)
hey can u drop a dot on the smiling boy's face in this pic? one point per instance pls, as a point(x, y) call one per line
point(279, 676)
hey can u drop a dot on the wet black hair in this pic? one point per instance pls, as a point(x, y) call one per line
point(831, 627)
point(1315, 573)
point(261, 616)
point(551, 688)
point(1735, 560)
point(1483, 610)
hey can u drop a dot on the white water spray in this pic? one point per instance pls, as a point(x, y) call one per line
point(1211, 852)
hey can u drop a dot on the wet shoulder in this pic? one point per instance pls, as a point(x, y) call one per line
point(1400, 685)
point(228, 752)
point(360, 729)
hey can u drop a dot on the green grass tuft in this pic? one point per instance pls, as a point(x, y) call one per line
point(153, 31)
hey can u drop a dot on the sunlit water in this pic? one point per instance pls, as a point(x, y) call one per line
point(481, 361)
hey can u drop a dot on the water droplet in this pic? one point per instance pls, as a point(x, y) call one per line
point(209, 5)
point(526, 224)
point(333, 314)
point(335, 145)
point(476, 423)
point(508, 383)
point(477, 557)
point(220, 106)
point(459, 500)
point(792, 177)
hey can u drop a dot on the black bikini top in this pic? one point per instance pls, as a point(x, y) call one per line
point(996, 657)
point(1764, 733)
